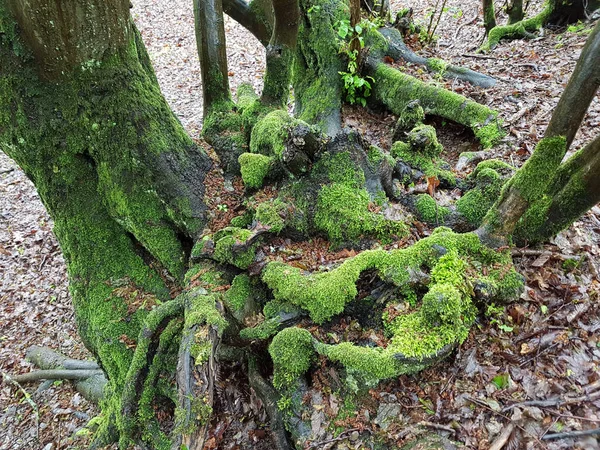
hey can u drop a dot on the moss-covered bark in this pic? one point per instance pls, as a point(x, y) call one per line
point(113, 166)
point(396, 90)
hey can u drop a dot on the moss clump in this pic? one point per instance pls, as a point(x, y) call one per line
point(342, 210)
point(231, 247)
point(421, 151)
point(239, 293)
point(437, 65)
point(242, 221)
point(475, 204)
point(270, 134)
point(254, 168)
point(494, 164)
point(262, 331)
point(272, 214)
point(292, 353)
point(429, 211)
point(411, 116)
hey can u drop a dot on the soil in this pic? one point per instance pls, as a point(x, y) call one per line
point(544, 346)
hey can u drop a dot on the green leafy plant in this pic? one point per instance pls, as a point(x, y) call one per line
point(223, 207)
point(356, 88)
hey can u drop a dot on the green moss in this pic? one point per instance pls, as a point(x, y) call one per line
point(292, 353)
point(411, 116)
point(532, 184)
point(342, 210)
point(254, 168)
point(475, 204)
point(422, 151)
point(437, 65)
point(239, 293)
point(429, 211)
point(230, 247)
point(242, 221)
point(271, 214)
point(521, 29)
point(316, 81)
point(262, 331)
point(456, 262)
point(270, 134)
point(396, 89)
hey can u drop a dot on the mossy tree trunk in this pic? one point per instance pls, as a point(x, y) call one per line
point(514, 9)
point(489, 15)
point(82, 114)
point(546, 194)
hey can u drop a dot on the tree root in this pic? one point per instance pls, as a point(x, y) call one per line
point(90, 380)
point(145, 353)
point(269, 397)
point(397, 49)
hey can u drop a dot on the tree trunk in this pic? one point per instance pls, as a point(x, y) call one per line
point(514, 9)
point(81, 112)
point(280, 52)
point(525, 203)
point(489, 15)
point(210, 39)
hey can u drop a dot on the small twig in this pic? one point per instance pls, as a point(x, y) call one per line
point(470, 55)
point(9, 170)
point(503, 438)
point(571, 434)
point(340, 437)
point(555, 401)
point(27, 397)
point(533, 252)
point(437, 426)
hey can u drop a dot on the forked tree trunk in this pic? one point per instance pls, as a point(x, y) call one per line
point(81, 112)
point(540, 199)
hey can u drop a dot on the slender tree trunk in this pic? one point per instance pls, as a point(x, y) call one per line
point(514, 11)
point(81, 112)
point(210, 40)
point(489, 15)
point(280, 52)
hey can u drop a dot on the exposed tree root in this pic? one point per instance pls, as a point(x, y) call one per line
point(90, 380)
point(269, 397)
point(397, 49)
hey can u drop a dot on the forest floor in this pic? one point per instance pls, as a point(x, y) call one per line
point(543, 348)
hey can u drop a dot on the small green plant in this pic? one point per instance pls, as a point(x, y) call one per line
point(496, 316)
point(222, 207)
point(356, 88)
point(578, 27)
point(501, 381)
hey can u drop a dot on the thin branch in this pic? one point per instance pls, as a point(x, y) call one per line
point(571, 434)
point(55, 374)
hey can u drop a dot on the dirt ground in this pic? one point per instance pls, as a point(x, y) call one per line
point(543, 350)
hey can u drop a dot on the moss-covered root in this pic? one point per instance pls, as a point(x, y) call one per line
point(522, 29)
point(419, 338)
point(231, 245)
point(131, 416)
point(197, 366)
point(396, 90)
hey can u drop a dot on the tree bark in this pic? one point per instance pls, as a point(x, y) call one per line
point(255, 16)
point(280, 52)
point(210, 40)
point(514, 9)
point(489, 15)
point(113, 166)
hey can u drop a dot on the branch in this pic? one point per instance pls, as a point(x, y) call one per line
point(579, 93)
point(571, 434)
point(55, 374)
point(248, 16)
